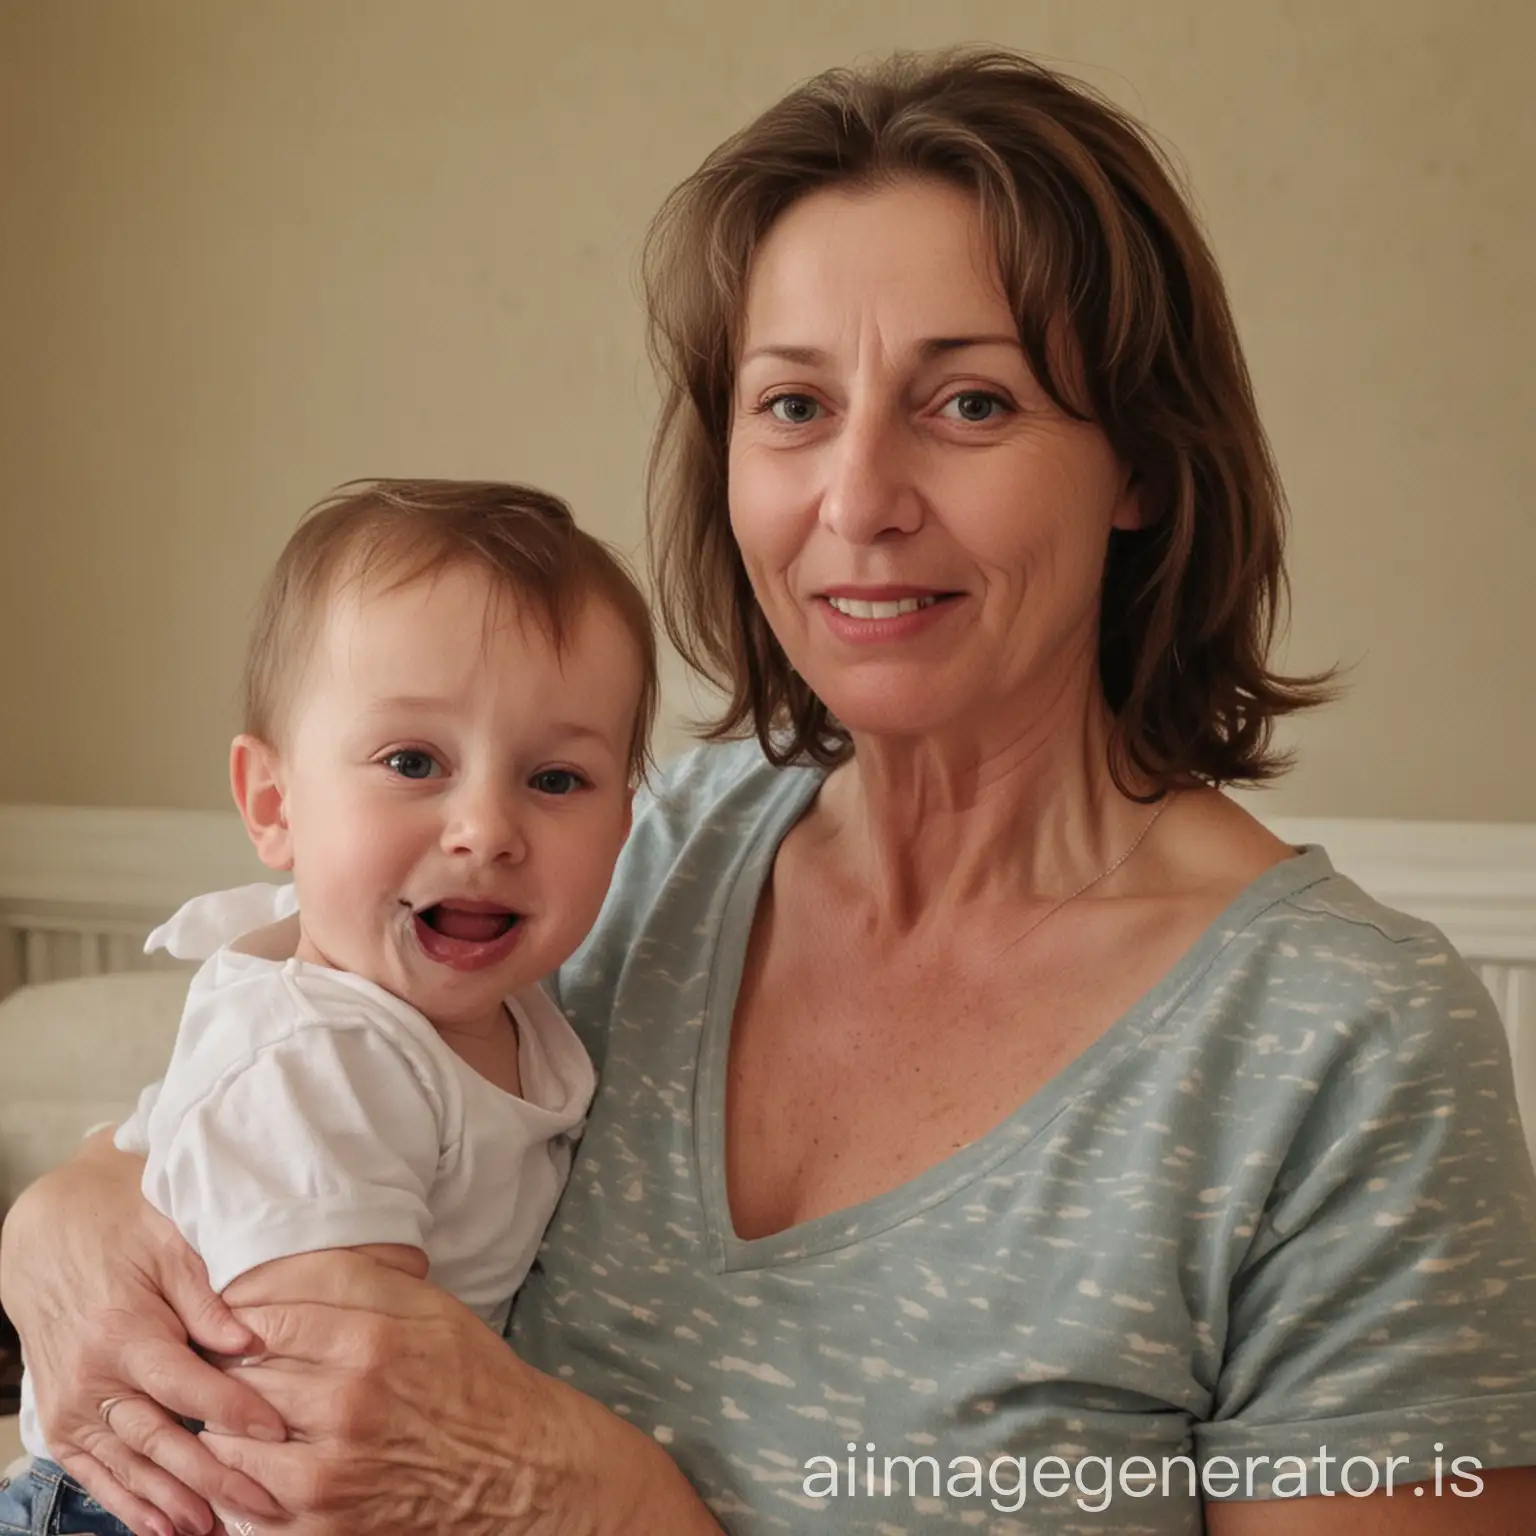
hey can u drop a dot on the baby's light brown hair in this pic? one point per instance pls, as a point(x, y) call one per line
point(385, 534)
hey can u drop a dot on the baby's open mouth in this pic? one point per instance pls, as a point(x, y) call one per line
point(467, 935)
point(479, 925)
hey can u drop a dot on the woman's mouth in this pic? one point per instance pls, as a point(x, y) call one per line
point(859, 608)
point(468, 935)
point(879, 617)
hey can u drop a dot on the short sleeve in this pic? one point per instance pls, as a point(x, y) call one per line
point(327, 1138)
point(133, 1134)
point(1386, 1307)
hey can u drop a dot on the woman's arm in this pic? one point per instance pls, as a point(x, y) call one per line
point(105, 1296)
point(1502, 1507)
point(405, 1406)
point(408, 1414)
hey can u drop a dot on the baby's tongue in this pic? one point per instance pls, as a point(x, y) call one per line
point(477, 927)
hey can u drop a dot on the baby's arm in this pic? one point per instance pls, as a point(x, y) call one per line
point(327, 1136)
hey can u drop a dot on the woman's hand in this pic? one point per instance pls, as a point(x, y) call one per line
point(105, 1295)
point(407, 1414)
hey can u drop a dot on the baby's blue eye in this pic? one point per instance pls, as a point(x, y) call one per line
point(411, 764)
point(557, 781)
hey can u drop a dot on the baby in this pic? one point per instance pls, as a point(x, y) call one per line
point(448, 698)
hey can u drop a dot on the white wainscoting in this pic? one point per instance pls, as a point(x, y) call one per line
point(1476, 881)
point(80, 888)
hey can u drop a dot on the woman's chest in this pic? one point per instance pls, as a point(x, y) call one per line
point(852, 1070)
point(1018, 1309)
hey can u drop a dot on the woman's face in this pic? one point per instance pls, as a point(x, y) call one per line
point(925, 530)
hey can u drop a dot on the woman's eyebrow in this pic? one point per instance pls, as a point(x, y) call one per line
point(938, 346)
point(930, 347)
point(809, 355)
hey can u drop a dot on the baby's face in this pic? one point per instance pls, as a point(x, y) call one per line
point(456, 790)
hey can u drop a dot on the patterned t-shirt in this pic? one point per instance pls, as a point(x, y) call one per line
point(1279, 1216)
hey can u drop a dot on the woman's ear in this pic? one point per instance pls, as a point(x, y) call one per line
point(256, 778)
point(1128, 515)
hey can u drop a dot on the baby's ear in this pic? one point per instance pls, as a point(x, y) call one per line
point(256, 777)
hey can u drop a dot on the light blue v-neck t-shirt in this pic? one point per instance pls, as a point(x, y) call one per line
point(1273, 1234)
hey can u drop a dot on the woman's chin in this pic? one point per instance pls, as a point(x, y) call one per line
point(897, 712)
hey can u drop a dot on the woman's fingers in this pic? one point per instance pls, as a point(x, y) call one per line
point(166, 1372)
point(299, 1470)
point(208, 1321)
point(100, 1477)
point(174, 1460)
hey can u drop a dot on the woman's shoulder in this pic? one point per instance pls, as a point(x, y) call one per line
point(1326, 930)
point(1294, 914)
point(1360, 999)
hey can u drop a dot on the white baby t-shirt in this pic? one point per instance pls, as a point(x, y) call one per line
point(306, 1108)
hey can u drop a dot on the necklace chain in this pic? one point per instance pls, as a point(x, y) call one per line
point(1102, 875)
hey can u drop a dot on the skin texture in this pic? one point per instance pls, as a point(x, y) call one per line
point(866, 452)
point(888, 432)
point(1503, 1508)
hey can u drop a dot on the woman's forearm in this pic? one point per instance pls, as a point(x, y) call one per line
point(97, 1158)
point(407, 1414)
point(621, 1483)
point(104, 1294)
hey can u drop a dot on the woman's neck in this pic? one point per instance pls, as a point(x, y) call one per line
point(934, 826)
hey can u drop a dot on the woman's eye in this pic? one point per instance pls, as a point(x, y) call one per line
point(793, 410)
point(411, 764)
point(974, 405)
point(557, 781)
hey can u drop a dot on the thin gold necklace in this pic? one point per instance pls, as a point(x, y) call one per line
point(1102, 875)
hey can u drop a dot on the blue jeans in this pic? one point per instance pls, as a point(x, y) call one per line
point(47, 1501)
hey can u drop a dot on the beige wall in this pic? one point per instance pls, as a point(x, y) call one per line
point(253, 250)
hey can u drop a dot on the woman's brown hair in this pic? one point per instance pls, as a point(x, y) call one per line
point(1096, 246)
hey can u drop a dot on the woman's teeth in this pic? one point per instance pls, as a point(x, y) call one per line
point(857, 608)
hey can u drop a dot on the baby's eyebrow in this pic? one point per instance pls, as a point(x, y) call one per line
point(566, 730)
point(404, 701)
point(575, 729)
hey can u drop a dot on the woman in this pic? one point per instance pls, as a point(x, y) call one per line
point(978, 1083)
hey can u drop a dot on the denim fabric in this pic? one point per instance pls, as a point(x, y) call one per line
point(46, 1501)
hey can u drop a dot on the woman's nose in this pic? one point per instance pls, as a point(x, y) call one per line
point(484, 824)
point(868, 491)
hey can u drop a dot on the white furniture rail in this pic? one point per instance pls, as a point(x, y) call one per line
point(80, 888)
